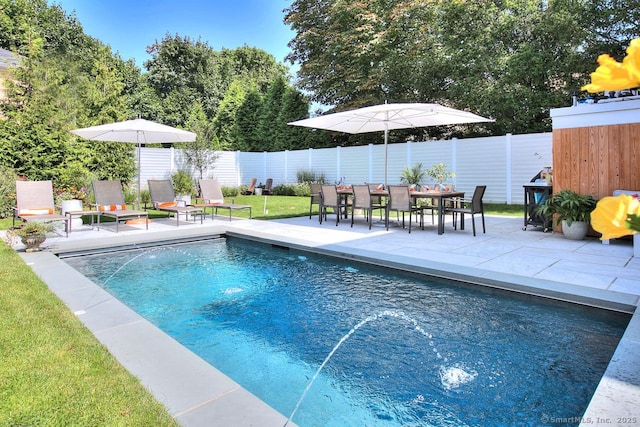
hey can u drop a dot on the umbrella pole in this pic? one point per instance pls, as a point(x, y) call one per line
point(139, 163)
point(386, 152)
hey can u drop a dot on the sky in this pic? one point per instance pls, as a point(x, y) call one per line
point(129, 26)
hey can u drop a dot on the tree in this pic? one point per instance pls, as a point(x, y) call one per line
point(293, 106)
point(511, 60)
point(201, 153)
point(225, 121)
point(269, 114)
point(66, 80)
point(247, 120)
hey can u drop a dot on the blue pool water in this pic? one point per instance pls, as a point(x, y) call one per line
point(423, 351)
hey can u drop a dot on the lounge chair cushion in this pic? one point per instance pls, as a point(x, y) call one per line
point(167, 205)
point(105, 208)
point(214, 201)
point(35, 211)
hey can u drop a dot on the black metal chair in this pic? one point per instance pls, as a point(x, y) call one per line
point(400, 201)
point(362, 199)
point(376, 199)
point(471, 206)
point(331, 199)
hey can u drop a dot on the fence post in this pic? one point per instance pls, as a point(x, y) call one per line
point(508, 163)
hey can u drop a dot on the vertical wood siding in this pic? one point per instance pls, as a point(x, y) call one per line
point(597, 160)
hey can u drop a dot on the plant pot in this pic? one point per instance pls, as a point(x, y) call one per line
point(258, 191)
point(33, 242)
point(576, 231)
point(72, 206)
point(183, 200)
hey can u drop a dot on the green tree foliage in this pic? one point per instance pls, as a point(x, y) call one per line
point(511, 60)
point(247, 119)
point(267, 128)
point(66, 80)
point(233, 86)
point(225, 127)
point(293, 106)
point(201, 153)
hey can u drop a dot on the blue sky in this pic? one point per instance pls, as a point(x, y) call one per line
point(129, 26)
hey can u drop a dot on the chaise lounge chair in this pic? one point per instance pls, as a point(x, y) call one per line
point(163, 199)
point(34, 202)
point(110, 203)
point(212, 197)
point(251, 189)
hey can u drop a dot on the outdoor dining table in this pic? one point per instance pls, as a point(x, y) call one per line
point(440, 197)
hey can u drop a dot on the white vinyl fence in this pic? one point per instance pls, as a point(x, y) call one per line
point(502, 163)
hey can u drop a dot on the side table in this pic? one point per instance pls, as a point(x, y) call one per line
point(71, 214)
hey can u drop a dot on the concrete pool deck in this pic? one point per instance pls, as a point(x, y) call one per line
point(531, 261)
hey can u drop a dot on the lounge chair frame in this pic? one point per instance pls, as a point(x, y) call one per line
point(110, 203)
point(161, 191)
point(33, 197)
point(212, 197)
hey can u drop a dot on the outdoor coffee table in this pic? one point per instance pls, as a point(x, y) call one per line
point(70, 215)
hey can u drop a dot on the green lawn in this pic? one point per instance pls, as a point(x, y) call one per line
point(54, 372)
point(52, 369)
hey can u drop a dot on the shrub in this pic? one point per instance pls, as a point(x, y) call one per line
point(183, 184)
point(284, 190)
point(8, 179)
point(302, 189)
point(310, 176)
point(230, 191)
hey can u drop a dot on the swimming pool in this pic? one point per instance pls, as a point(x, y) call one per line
point(438, 352)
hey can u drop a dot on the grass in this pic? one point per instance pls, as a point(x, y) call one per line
point(54, 372)
point(52, 369)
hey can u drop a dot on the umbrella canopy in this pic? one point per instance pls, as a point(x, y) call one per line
point(138, 131)
point(385, 117)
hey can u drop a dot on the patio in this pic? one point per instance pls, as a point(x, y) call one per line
point(530, 261)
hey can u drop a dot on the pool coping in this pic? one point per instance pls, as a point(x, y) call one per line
point(195, 392)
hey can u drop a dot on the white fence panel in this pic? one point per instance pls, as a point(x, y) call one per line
point(481, 161)
point(354, 165)
point(503, 163)
point(155, 163)
point(530, 154)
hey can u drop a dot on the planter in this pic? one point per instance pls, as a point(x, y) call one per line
point(258, 191)
point(33, 242)
point(184, 200)
point(576, 231)
point(72, 206)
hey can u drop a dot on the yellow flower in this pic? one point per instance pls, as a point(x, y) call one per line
point(610, 75)
point(632, 60)
point(613, 75)
point(610, 217)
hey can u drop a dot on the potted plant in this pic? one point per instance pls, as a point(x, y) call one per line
point(441, 174)
point(570, 209)
point(183, 186)
point(32, 234)
point(413, 175)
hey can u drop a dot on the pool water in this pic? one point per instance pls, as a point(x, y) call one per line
point(415, 351)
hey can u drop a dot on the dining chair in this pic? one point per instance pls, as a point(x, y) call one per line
point(331, 199)
point(362, 199)
point(315, 197)
point(400, 201)
point(377, 200)
point(469, 206)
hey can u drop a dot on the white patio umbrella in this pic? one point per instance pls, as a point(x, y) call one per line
point(138, 131)
point(386, 117)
